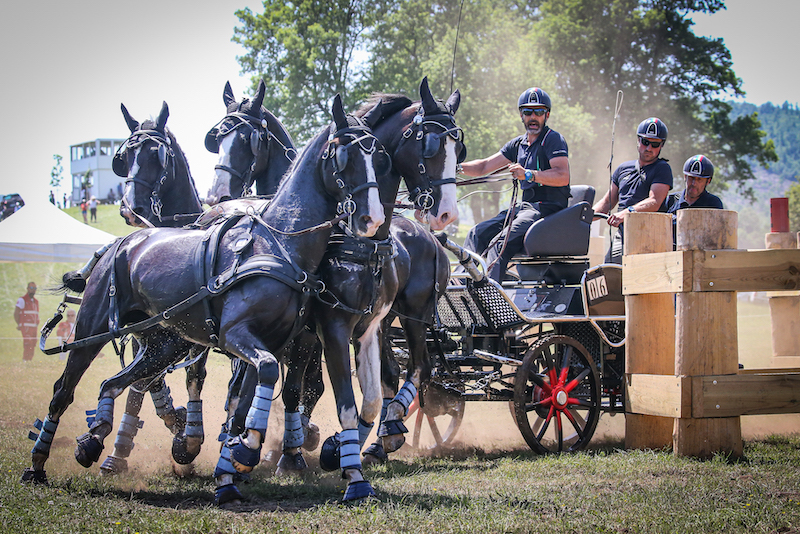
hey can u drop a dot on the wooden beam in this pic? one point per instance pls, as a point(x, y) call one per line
point(662, 395)
point(745, 394)
point(711, 270)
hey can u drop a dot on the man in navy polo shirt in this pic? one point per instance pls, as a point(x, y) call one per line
point(698, 172)
point(638, 185)
point(540, 159)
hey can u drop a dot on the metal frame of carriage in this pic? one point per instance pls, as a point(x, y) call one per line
point(550, 342)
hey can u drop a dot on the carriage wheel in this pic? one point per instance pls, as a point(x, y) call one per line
point(557, 395)
point(435, 425)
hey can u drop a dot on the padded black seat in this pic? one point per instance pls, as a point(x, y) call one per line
point(557, 245)
point(565, 233)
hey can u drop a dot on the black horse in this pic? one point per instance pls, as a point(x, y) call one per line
point(269, 148)
point(413, 134)
point(265, 155)
point(253, 288)
point(159, 189)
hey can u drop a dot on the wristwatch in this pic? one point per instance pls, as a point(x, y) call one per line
point(529, 176)
point(630, 209)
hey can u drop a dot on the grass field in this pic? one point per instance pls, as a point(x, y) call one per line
point(490, 482)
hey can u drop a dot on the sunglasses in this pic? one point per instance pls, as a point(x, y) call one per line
point(534, 111)
point(647, 142)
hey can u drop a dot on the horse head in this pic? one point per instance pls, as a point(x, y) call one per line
point(156, 173)
point(350, 161)
point(426, 152)
point(253, 147)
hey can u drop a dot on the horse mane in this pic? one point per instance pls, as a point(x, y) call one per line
point(391, 103)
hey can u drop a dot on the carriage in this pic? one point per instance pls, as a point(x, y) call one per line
point(549, 341)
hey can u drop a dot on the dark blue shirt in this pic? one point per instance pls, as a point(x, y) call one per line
point(536, 157)
point(634, 183)
point(677, 201)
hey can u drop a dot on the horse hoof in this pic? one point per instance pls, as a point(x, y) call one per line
point(291, 464)
point(182, 471)
point(114, 466)
point(312, 437)
point(357, 491)
point(391, 428)
point(243, 458)
point(329, 455)
point(30, 475)
point(88, 450)
point(393, 443)
point(271, 457)
point(228, 494)
point(374, 454)
point(180, 453)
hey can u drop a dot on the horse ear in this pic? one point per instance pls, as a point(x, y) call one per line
point(454, 101)
point(428, 102)
point(373, 116)
point(133, 125)
point(227, 94)
point(161, 121)
point(337, 110)
point(259, 98)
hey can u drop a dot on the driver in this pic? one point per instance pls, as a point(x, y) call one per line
point(539, 158)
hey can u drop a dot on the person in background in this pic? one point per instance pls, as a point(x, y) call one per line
point(93, 208)
point(84, 207)
point(540, 159)
point(66, 332)
point(698, 172)
point(26, 315)
point(52, 198)
point(638, 185)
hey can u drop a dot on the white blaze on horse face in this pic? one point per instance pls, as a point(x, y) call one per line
point(128, 200)
point(369, 368)
point(448, 206)
point(375, 208)
point(221, 187)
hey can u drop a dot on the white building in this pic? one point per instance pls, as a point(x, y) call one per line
point(94, 156)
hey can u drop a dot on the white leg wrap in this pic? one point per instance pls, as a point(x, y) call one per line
point(406, 395)
point(293, 430)
point(258, 414)
point(350, 451)
point(194, 419)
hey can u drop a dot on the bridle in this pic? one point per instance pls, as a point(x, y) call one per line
point(422, 195)
point(367, 143)
point(166, 158)
point(259, 135)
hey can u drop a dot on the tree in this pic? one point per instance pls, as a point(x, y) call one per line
point(304, 51)
point(86, 184)
point(57, 173)
point(647, 49)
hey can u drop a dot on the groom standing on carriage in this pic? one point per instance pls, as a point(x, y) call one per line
point(540, 158)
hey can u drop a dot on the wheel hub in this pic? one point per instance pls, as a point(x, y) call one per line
point(560, 398)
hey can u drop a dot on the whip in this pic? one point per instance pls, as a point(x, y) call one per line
point(617, 108)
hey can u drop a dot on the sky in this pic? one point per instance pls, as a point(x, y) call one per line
point(67, 65)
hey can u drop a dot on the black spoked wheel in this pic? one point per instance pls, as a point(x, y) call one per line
point(557, 395)
point(435, 425)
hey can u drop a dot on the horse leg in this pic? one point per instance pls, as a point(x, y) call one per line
point(63, 394)
point(240, 453)
point(419, 370)
point(156, 353)
point(313, 388)
point(186, 443)
point(117, 462)
point(347, 443)
point(296, 358)
point(390, 377)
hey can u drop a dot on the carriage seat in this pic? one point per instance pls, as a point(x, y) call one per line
point(557, 245)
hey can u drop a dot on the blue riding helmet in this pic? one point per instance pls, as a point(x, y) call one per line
point(652, 128)
point(699, 166)
point(534, 98)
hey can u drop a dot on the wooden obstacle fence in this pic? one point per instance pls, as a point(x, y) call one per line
point(683, 383)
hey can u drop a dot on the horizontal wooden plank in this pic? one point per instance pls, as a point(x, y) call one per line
point(746, 270)
point(711, 270)
point(663, 395)
point(662, 272)
point(745, 394)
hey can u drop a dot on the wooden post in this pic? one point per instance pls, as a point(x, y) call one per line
point(784, 310)
point(706, 335)
point(649, 329)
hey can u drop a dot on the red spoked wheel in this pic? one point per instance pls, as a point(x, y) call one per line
point(557, 396)
point(435, 425)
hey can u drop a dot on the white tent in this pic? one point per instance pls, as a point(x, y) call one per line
point(41, 232)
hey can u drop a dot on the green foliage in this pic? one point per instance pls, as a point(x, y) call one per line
point(56, 174)
point(782, 126)
point(793, 194)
